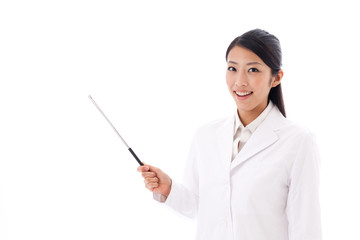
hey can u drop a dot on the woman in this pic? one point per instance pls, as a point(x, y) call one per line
point(254, 175)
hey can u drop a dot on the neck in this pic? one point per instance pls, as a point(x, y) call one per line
point(246, 117)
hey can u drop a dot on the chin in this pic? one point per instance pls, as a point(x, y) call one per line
point(244, 107)
point(247, 106)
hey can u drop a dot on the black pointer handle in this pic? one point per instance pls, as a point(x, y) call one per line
point(136, 157)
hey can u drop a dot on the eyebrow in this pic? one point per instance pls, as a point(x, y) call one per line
point(249, 63)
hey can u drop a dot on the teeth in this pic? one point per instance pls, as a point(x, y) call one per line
point(242, 93)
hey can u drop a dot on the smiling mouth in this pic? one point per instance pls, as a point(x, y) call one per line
point(243, 94)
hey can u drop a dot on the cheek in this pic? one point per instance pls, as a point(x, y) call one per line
point(260, 84)
point(229, 81)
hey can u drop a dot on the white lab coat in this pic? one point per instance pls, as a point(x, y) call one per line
point(268, 192)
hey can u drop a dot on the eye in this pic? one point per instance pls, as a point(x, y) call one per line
point(232, 69)
point(253, 70)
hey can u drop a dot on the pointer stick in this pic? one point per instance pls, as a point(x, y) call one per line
point(158, 197)
point(129, 148)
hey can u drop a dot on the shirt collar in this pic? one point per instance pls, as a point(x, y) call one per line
point(254, 124)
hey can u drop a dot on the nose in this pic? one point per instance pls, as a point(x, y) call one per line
point(241, 79)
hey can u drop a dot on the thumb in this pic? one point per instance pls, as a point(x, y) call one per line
point(152, 169)
point(143, 168)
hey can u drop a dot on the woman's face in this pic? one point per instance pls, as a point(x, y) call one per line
point(249, 81)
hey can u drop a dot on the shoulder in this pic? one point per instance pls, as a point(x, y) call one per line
point(295, 129)
point(286, 127)
point(217, 124)
point(297, 138)
point(214, 127)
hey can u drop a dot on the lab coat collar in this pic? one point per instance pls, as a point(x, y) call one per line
point(254, 124)
point(264, 136)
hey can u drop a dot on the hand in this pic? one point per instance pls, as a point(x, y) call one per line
point(156, 180)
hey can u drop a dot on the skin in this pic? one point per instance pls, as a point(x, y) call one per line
point(246, 73)
point(155, 180)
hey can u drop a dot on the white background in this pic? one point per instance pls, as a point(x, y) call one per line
point(157, 69)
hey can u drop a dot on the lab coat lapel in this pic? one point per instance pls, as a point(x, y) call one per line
point(225, 135)
point(264, 136)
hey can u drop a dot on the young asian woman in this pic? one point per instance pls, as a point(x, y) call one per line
point(255, 174)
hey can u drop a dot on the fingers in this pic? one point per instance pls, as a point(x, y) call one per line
point(144, 168)
point(155, 179)
point(151, 183)
point(151, 180)
point(148, 174)
point(151, 186)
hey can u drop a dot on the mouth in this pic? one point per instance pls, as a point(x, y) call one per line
point(243, 94)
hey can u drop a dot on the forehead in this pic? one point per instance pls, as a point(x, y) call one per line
point(243, 55)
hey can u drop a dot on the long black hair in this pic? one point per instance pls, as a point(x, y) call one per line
point(267, 47)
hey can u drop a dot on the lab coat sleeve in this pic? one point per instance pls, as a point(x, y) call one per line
point(303, 207)
point(184, 198)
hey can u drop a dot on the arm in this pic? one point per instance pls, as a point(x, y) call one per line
point(303, 207)
point(176, 196)
point(182, 198)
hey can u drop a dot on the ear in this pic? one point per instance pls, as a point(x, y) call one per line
point(277, 78)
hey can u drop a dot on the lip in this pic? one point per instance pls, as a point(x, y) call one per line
point(242, 98)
